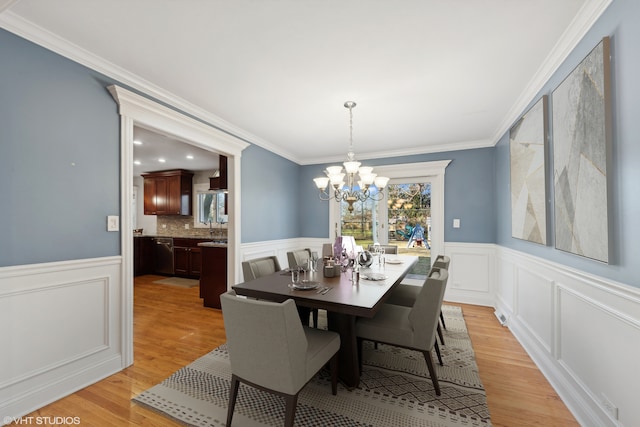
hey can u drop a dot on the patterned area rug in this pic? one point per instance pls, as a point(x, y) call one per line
point(395, 390)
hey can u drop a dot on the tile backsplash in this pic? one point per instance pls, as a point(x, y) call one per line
point(175, 227)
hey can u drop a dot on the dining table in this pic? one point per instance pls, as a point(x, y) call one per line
point(343, 300)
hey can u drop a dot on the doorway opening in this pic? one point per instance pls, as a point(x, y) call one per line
point(414, 196)
point(402, 218)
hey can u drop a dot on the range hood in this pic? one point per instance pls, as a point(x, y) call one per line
point(220, 182)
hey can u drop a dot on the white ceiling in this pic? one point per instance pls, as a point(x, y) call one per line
point(427, 75)
point(176, 154)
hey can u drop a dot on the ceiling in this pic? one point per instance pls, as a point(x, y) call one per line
point(155, 152)
point(427, 75)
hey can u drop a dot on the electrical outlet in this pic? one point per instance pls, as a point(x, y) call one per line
point(456, 223)
point(186, 226)
point(608, 405)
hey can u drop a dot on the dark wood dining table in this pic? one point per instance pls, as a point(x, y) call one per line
point(344, 302)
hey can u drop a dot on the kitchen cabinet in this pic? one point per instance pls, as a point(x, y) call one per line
point(220, 182)
point(168, 192)
point(213, 278)
point(142, 255)
point(187, 257)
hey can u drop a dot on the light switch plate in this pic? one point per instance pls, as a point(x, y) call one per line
point(113, 223)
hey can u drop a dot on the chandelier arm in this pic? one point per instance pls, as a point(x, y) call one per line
point(323, 195)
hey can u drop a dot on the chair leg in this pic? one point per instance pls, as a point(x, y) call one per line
point(440, 334)
point(290, 409)
point(432, 371)
point(435, 344)
point(233, 393)
point(359, 345)
point(442, 320)
point(334, 374)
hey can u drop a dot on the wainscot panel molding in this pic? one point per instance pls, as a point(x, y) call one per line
point(472, 274)
point(582, 331)
point(62, 330)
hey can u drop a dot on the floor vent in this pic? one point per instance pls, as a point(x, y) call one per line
point(501, 318)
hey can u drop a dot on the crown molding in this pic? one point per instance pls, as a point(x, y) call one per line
point(581, 24)
point(44, 38)
point(427, 149)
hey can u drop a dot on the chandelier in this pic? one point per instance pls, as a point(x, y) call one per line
point(351, 190)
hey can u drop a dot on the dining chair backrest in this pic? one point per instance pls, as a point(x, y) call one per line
point(442, 261)
point(425, 312)
point(258, 267)
point(266, 342)
point(327, 250)
point(299, 257)
point(388, 249)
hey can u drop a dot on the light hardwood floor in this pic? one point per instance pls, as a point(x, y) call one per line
point(172, 329)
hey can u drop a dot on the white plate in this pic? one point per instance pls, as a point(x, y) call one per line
point(305, 286)
point(374, 276)
point(394, 261)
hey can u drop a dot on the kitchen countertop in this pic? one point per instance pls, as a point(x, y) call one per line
point(211, 244)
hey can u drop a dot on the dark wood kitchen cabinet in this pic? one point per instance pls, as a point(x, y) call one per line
point(168, 192)
point(142, 255)
point(187, 257)
point(213, 279)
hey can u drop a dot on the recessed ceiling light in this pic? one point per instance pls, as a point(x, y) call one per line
point(136, 142)
point(137, 162)
point(161, 160)
point(189, 156)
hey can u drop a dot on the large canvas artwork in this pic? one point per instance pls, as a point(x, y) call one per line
point(528, 142)
point(581, 143)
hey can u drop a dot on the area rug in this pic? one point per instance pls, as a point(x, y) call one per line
point(178, 281)
point(395, 390)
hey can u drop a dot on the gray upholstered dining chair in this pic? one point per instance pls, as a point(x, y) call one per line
point(327, 250)
point(300, 258)
point(388, 249)
point(258, 267)
point(269, 349)
point(406, 295)
point(409, 327)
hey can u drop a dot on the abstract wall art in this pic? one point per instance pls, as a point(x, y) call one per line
point(528, 151)
point(581, 146)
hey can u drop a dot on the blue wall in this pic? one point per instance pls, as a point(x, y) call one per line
point(620, 22)
point(59, 158)
point(269, 196)
point(469, 195)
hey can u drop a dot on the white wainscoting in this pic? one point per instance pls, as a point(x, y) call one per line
point(471, 273)
point(61, 330)
point(582, 331)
